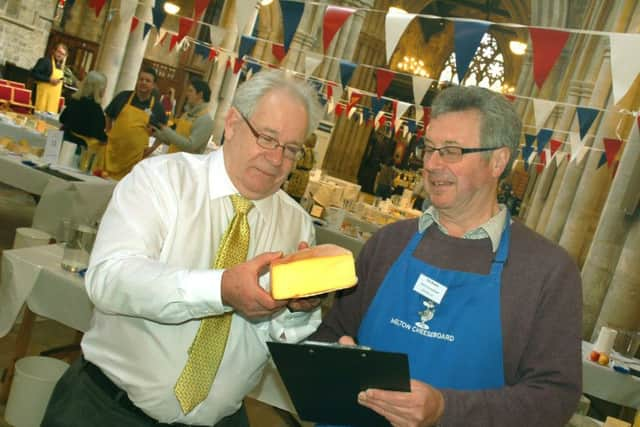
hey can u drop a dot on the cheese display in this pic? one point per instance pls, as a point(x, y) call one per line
point(313, 271)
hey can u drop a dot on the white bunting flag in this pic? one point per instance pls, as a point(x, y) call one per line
point(394, 25)
point(244, 10)
point(577, 147)
point(542, 110)
point(625, 62)
point(160, 34)
point(420, 86)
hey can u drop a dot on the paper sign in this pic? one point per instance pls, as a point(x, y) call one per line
point(52, 147)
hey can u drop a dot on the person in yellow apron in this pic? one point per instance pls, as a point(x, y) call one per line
point(193, 127)
point(128, 117)
point(49, 73)
point(83, 121)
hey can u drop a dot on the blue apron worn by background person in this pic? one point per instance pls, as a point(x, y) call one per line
point(459, 344)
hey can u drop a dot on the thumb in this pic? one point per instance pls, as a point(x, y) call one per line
point(346, 340)
point(264, 259)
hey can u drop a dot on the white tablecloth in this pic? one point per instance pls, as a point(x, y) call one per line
point(33, 275)
point(26, 178)
point(605, 383)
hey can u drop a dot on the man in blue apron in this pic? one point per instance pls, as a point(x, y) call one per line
point(488, 311)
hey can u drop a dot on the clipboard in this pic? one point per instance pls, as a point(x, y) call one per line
point(323, 380)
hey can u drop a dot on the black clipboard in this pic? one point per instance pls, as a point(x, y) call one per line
point(323, 380)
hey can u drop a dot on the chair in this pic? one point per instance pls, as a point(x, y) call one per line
point(16, 84)
point(21, 102)
point(61, 104)
point(6, 92)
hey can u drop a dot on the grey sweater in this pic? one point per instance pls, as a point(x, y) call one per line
point(541, 309)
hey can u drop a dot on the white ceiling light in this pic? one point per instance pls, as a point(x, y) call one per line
point(171, 8)
point(265, 2)
point(517, 47)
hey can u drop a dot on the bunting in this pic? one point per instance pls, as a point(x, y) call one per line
point(395, 22)
point(377, 104)
point(542, 110)
point(278, 51)
point(576, 143)
point(602, 160)
point(184, 26)
point(247, 44)
point(244, 10)
point(334, 19)
point(198, 8)
point(547, 46)
point(466, 39)
point(346, 71)
point(97, 5)
point(145, 30)
point(543, 138)
point(384, 78)
point(134, 24)
point(291, 15)
point(625, 65)
point(529, 139)
point(201, 50)
point(543, 161)
point(586, 116)
point(611, 148)
point(554, 144)
point(158, 13)
point(420, 87)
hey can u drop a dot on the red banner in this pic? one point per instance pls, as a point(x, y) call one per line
point(383, 79)
point(334, 18)
point(554, 144)
point(611, 149)
point(547, 46)
point(134, 24)
point(199, 7)
point(184, 26)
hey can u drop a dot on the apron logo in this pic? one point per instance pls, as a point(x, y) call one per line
point(426, 314)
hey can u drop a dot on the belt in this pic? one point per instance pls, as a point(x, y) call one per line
point(118, 395)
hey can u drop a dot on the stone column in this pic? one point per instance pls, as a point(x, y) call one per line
point(134, 53)
point(540, 194)
point(591, 190)
point(617, 233)
point(112, 51)
point(224, 93)
point(553, 192)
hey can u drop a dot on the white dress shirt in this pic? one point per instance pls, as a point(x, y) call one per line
point(150, 276)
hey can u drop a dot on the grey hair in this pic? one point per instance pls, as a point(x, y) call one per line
point(250, 92)
point(92, 86)
point(500, 125)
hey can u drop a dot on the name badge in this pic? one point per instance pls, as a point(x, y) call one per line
point(429, 288)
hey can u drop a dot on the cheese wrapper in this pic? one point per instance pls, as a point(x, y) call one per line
point(312, 271)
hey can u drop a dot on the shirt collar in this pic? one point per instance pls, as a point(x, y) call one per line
point(220, 184)
point(491, 229)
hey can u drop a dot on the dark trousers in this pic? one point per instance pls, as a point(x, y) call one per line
point(85, 397)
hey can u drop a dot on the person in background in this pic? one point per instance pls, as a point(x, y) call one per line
point(83, 121)
point(49, 74)
point(384, 180)
point(158, 298)
point(299, 178)
point(168, 101)
point(488, 311)
point(83, 117)
point(128, 117)
point(193, 127)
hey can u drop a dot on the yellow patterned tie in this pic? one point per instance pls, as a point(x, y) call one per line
point(207, 348)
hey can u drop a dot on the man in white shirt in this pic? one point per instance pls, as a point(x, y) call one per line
point(151, 281)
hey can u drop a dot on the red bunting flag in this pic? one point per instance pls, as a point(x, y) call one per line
point(383, 79)
point(382, 120)
point(212, 54)
point(228, 64)
point(97, 5)
point(611, 148)
point(394, 112)
point(174, 41)
point(547, 46)
point(199, 7)
point(134, 24)
point(509, 97)
point(339, 109)
point(184, 26)
point(278, 51)
point(543, 161)
point(554, 144)
point(237, 65)
point(355, 98)
point(334, 18)
point(426, 117)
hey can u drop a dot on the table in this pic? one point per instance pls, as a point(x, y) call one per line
point(605, 383)
point(33, 275)
point(18, 133)
point(26, 178)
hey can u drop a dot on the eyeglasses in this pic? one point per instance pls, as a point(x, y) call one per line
point(453, 154)
point(290, 151)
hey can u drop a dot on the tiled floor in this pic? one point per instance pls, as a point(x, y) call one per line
point(16, 210)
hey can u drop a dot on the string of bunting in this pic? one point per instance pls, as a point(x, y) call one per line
point(468, 34)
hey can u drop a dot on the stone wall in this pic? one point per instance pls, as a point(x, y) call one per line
point(24, 31)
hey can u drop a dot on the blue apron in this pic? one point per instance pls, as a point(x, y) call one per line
point(460, 347)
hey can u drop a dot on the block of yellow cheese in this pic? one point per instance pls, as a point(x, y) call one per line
point(312, 271)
